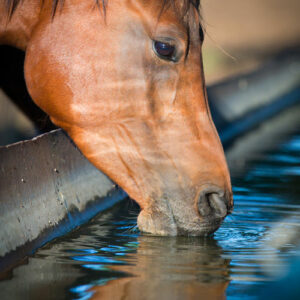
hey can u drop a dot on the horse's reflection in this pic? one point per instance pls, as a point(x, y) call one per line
point(170, 268)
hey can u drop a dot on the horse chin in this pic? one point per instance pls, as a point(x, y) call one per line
point(161, 224)
point(157, 224)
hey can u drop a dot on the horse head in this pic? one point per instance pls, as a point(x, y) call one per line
point(125, 80)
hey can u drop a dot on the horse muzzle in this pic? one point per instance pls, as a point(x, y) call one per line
point(180, 217)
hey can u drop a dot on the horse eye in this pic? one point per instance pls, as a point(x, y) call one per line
point(164, 50)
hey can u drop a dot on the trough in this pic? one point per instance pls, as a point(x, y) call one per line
point(48, 188)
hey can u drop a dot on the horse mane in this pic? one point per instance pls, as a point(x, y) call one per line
point(11, 5)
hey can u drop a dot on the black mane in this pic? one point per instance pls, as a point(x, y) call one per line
point(11, 5)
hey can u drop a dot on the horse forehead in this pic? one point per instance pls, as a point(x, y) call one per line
point(161, 7)
point(164, 12)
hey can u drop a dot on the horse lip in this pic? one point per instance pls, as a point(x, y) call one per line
point(153, 224)
point(157, 226)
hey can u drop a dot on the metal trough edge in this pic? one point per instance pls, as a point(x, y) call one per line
point(48, 188)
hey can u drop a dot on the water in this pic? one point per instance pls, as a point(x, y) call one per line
point(109, 259)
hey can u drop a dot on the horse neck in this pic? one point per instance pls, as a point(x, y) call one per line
point(16, 31)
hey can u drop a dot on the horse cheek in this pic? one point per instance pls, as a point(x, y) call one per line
point(44, 82)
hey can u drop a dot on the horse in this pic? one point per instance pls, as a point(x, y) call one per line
point(124, 79)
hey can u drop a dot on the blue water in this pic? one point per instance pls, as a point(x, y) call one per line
point(109, 259)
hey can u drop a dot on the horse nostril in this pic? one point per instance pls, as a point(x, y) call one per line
point(217, 204)
point(212, 203)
